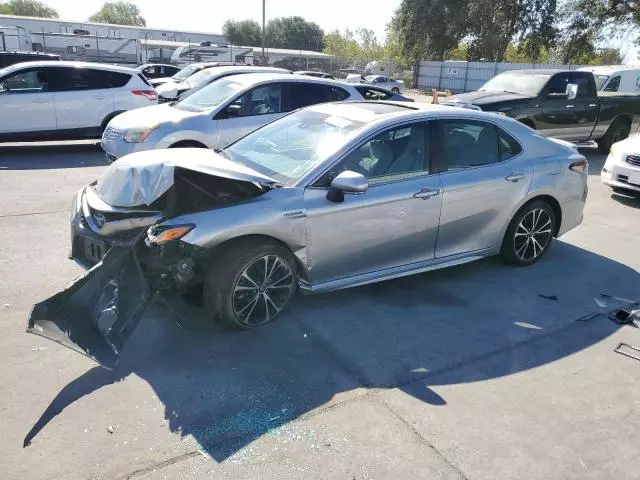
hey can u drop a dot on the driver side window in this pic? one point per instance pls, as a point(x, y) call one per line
point(31, 81)
point(396, 154)
point(262, 100)
point(558, 83)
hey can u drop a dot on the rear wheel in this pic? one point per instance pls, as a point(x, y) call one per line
point(529, 234)
point(395, 90)
point(251, 284)
point(618, 130)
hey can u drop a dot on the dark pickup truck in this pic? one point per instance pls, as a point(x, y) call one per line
point(558, 103)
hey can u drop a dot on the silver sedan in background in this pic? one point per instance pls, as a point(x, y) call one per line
point(328, 197)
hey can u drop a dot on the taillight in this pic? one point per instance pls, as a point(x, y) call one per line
point(150, 94)
point(581, 166)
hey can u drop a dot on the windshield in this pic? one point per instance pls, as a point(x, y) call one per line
point(513, 82)
point(211, 95)
point(200, 77)
point(600, 81)
point(288, 149)
point(186, 72)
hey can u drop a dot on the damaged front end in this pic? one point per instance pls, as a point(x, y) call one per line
point(127, 225)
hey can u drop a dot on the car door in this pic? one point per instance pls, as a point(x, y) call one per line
point(558, 118)
point(249, 111)
point(394, 223)
point(27, 102)
point(83, 97)
point(585, 105)
point(484, 176)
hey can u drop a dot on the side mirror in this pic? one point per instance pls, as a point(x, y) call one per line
point(347, 182)
point(572, 91)
point(232, 111)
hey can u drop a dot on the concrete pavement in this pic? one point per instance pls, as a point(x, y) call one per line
point(460, 373)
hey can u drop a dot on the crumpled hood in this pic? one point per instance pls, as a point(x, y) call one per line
point(141, 178)
point(481, 97)
point(150, 116)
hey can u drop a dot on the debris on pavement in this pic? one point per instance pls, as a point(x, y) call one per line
point(600, 303)
point(628, 351)
point(110, 429)
point(37, 349)
point(549, 297)
point(6, 305)
point(624, 316)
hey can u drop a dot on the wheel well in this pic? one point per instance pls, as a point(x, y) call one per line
point(255, 238)
point(108, 118)
point(623, 118)
point(188, 143)
point(528, 122)
point(554, 204)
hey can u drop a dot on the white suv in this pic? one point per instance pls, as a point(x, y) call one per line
point(66, 100)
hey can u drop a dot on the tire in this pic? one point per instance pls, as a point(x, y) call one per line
point(229, 296)
point(521, 248)
point(618, 130)
point(395, 90)
point(188, 144)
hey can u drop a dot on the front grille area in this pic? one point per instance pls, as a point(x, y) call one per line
point(625, 179)
point(110, 134)
point(633, 160)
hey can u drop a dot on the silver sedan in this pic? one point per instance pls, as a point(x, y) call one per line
point(328, 197)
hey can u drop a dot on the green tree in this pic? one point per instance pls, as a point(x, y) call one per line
point(428, 29)
point(294, 33)
point(27, 8)
point(119, 13)
point(494, 24)
point(243, 32)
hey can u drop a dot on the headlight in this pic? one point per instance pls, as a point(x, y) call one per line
point(160, 234)
point(614, 149)
point(138, 135)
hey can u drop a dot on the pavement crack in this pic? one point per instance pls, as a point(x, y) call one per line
point(32, 213)
point(160, 465)
point(423, 440)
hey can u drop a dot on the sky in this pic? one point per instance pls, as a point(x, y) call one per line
point(208, 16)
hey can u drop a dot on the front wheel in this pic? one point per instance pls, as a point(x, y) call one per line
point(395, 90)
point(250, 284)
point(529, 234)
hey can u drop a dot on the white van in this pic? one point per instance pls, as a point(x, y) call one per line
point(616, 78)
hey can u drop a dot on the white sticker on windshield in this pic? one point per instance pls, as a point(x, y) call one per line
point(339, 122)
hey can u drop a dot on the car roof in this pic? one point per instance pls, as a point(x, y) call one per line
point(71, 64)
point(248, 79)
point(539, 71)
point(379, 111)
point(609, 69)
point(246, 68)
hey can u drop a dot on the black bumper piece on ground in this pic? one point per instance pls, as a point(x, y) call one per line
point(98, 312)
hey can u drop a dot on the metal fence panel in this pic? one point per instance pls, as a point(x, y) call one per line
point(460, 76)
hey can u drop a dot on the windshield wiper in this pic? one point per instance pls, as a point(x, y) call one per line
point(224, 153)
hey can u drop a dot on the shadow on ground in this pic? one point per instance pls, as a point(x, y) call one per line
point(51, 155)
point(228, 389)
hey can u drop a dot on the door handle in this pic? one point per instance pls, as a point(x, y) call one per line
point(426, 193)
point(41, 100)
point(570, 106)
point(515, 176)
point(99, 97)
point(593, 105)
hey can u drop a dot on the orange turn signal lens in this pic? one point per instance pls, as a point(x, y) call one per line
point(170, 234)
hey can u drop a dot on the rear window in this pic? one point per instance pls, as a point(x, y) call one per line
point(73, 79)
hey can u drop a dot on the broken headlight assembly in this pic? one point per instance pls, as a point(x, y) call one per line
point(161, 234)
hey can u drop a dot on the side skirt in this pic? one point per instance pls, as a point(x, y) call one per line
point(394, 272)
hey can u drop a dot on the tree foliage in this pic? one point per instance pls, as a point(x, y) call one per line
point(243, 32)
point(27, 8)
point(119, 13)
point(294, 33)
point(428, 29)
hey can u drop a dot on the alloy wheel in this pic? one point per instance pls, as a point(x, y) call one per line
point(262, 290)
point(532, 235)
